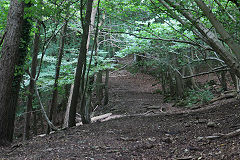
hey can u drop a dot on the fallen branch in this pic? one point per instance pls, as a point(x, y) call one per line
point(225, 96)
point(220, 135)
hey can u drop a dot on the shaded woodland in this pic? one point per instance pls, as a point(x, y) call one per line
point(76, 63)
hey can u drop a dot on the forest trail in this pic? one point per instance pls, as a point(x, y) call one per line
point(145, 132)
point(132, 94)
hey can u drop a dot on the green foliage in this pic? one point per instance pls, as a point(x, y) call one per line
point(4, 6)
point(201, 96)
point(130, 27)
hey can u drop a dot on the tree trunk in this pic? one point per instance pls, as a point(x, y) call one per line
point(106, 88)
point(99, 88)
point(20, 70)
point(9, 58)
point(178, 78)
point(87, 107)
point(227, 38)
point(172, 88)
point(223, 80)
point(163, 81)
point(213, 41)
point(66, 117)
point(81, 60)
point(31, 85)
point(52, 113)
point(234, 79)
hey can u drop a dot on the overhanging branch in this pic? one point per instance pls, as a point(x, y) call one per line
point(159, 39)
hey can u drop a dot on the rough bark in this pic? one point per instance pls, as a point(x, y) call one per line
point(9, 57)
point(81, 60)
point(19, 69)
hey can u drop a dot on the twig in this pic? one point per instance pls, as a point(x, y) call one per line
point(3, 38)
point(41, 105)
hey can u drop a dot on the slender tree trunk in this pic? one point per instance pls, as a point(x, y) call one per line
point(80, 65)
point(31, 85)
point(64, 103)
point(86, 97)
point(193, 83)
point(9, 58)
point(52, 113)
point(213, 41)
point(172, 88)
point(106, 88)
point(178, 78)
point(66, 117)
point(86, 107)
point(163, 83)
point(234, 79)
point(99, 88)
point(34, 125)
point(227, 38)
point(223, 80)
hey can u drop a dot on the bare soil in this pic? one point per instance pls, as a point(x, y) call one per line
point(150, 129)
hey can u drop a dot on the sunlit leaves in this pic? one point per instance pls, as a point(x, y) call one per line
point(4, 5)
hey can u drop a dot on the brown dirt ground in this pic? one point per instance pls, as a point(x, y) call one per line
point(142, 133)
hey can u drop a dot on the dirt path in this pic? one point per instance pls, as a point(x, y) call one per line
point(170, 135)
point(135, 94)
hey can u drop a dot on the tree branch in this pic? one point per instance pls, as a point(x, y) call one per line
point(41, 105)
point(3, 38)
point(152, 38)
point(218, 69)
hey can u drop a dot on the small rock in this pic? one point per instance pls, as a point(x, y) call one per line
point(163, 109)
point(212, 137)
point(152, 139)
point(167, 140)
point(49, 149)
point(187, 125)
point(202, 121)
point(193, 148)
point(186, 150)
point(211, 124)
point(200, 138)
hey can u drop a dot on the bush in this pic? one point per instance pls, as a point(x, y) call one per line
point(198, 96)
